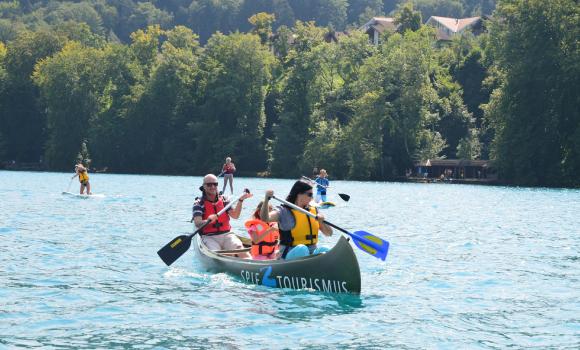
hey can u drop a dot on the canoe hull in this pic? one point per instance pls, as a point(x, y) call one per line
point(336, 271)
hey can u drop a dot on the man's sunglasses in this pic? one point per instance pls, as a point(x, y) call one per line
point(210, 184)
point(309, 194)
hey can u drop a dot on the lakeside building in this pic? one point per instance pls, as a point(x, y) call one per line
point(447, 28)
point(377, 26)
point(453, 169)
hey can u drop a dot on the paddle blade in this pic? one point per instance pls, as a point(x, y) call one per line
point(344, 197)
point(174, 249)
point(371, 244)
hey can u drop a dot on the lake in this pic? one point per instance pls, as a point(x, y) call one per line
point(468, 267)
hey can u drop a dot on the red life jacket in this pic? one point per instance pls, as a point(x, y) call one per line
point(222, 224)
point(270, 243)
point(228, 168)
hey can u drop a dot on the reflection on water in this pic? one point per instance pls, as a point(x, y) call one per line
point(468, 267)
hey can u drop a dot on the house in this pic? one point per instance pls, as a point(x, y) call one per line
point(447, 27)
point(377, 26)
point(455, 169)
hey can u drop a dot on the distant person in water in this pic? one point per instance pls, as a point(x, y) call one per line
point(228, 170)
point(83, 175)
point(322, 184)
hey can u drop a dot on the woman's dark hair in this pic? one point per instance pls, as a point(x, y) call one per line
point(298, 187)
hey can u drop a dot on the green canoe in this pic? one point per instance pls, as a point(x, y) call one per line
point(336, 271)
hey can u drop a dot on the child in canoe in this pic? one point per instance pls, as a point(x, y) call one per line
point(265, 237)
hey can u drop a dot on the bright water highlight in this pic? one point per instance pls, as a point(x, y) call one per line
point(468, 267)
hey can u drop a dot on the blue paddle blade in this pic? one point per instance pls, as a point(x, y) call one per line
point(371, 244)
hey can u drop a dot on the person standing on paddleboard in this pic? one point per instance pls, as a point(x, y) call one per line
point(228, 170)
point(83, 175)
point(322, 184)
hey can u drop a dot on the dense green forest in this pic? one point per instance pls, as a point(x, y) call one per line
point(175, 86)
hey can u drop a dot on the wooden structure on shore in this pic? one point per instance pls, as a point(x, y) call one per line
point(455, 169)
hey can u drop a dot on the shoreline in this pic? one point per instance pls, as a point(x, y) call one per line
point(265, 175)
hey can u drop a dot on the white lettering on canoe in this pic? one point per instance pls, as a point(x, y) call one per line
point(293, 282)
point(327, 286)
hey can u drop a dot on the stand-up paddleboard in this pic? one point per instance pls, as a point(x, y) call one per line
point(325, 205)
point(78, 195)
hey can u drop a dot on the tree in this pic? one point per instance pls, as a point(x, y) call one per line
point(262, 23)
point(22, 120)
point(533, 111)
point(73, 92)
point(407, 18)
point(469, 147)
point(236, 70)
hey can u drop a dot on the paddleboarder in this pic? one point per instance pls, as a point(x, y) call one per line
point(228, 171)
point(322, 184)
point(83, 175)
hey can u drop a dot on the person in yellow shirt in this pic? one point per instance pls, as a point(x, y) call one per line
point(83, 175)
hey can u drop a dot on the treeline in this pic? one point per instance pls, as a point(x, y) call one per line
point(289, 100)
point(117, 19)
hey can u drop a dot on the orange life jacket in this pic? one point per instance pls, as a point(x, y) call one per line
point(270, 243)
point(222, 224)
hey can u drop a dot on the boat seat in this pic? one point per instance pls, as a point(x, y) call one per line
point(233, 251)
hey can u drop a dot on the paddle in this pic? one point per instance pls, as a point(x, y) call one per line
point(69, 183)
point(365, 241)
point(179, 245)
point(344, 196)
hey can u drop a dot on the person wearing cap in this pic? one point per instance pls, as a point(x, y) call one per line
point(217, 235)
point(83, 175)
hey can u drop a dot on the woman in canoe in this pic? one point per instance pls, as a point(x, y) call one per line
point(265, 236)
point(298, 231)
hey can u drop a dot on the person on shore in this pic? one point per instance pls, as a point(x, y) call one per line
point(228, 170)
point(298, 231)
point(265, 236)
point(83, 175)
point(217, 235)
point(322, 184)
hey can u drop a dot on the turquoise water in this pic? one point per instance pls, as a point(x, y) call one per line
point(469, 267)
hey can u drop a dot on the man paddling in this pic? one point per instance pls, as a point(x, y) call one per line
point(217, 235)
